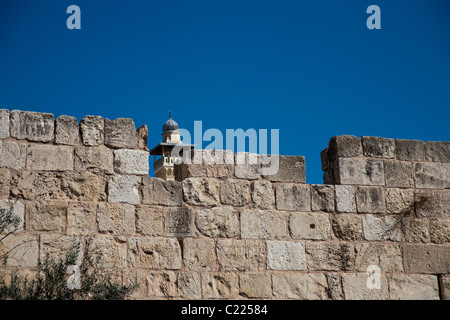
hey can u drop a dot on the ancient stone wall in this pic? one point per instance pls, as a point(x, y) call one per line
point(225, 231)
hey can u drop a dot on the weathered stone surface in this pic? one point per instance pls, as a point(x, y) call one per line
point(116, 218)
point(285, 255)
point(413, 287)
point(81, 218)
point(55, 247)
point(388, 257)
point(189, 285)
point(201, 191)
point(322, 198)
point(161, 284)
point(46, 216)
point(399, 174)
point(19, 211)
point(124, 189)
point(5, 180)
point(415, 230)
point(67, 131)
point(356, 288)
point(234, 192)
point(410, 150)
point(131, 161)
point(334, 286)
point(218, 222)
point(433, 175)
point(207, 164)
point(50, 158)
point(344, 146)
point(294, 197)
point(290, 169)
point(375, 147)
point(300, 286)
point(431, 259)
point(360, 171)
point(199, 255)
point(154, 253)
point(329, 256)
point(247, 166)
point(92, 130)
point(150, 220)
point(142, 138)
point(220, 285)
point(347, 226)
point(36, 185)
point(255, 285)
point(160, 192)
point(309, 226)
point(21, 249)
point(111, 251)
point(400, 201)
point(345, 198)
point(4, 123)
point(437, 151)
point(370, 200)
point(445, 285)
point(440, 231)
point(259, 224)
point(263, 195)
point(324, 160)
point(12, 155)
point(432, 203)
point(120, 133)
point(241, 255)
point(84, 186)
point(381, 229)
point(94, 159)
point(179, 222)
point(32, 126)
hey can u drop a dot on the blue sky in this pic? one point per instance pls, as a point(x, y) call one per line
point(311, 69)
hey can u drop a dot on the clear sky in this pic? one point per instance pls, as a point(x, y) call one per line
point(311, 69)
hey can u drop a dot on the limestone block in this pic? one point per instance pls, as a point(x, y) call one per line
point(429, 259)
point(290, 169)
point(255, 285)
point(206, 164)
point(83, 186)
point(220, 285)
point(329, 256)
point(234, 192)
point(262, 194)
point(142, 137)
point(154, 253)
point(347, 226)
point(294, 197)
point(324, 160)
point(259, 224)
point(12, 155)
point(189, 285)
point(21, 249)
point(413, 287)
point(150, 220)
point(5, 181)
point(241, 255)
point(322, 198)
point(432, 203)
point(199, 254)
point(440, 231)
point(360, 171)
point(370, 200)
point(201, 191)
point(410, 150)
point(67, 131)
point(445, 285)
point(46, 216)
point(344, 146)
point(345, 198)
point(116, 218)
point(387, 256)
point(285, 255)
point(92, 130)
point(4, 123)
point(433, 175)
point(81, 217)
point(334, 286)
point(415, 229)
point(381, 229)
point(400, 200)
point(18, 209)
point(123, 188)
point(218, 222)
point(50, 158)
point(161, 284)
point(300, 286)
point(94, 159)
point(437, 151)
point(309, 226)
point(32, 126)
point(111, 251)
point(247, 166)
point(356, 288)
point(161, 192)
point(179, 222)
point(131, 161)
point(120, 133)
point(36, 185)
point(56, 247)
point(375, 147)
point(399, 174)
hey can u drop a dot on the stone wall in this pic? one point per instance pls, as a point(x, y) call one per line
point(227, 231)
